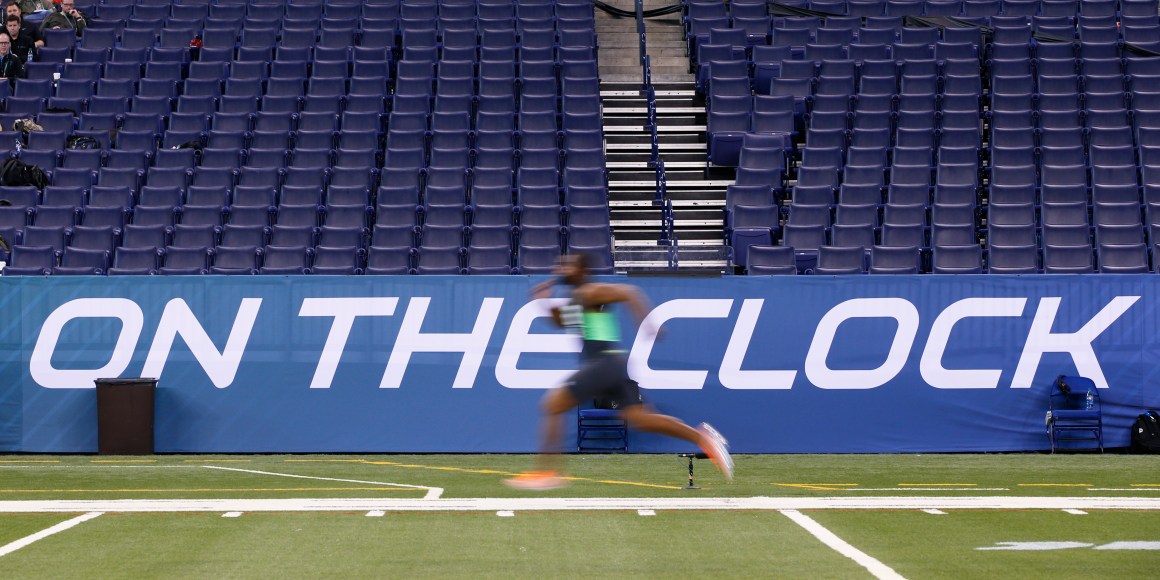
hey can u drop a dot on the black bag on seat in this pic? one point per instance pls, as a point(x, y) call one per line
point(14, 172)
point(1146, 433)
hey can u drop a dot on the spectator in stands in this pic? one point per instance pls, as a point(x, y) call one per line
point(68, 17)
point(22, 46)
point(30, 6)
point(27, 30)
point(11, 67)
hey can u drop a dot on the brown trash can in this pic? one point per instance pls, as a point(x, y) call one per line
point(125, 416)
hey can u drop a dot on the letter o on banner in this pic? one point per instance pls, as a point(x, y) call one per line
point(899, 309)
point(40, 364)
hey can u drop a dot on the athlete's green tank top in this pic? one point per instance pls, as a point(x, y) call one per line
point(600, 330)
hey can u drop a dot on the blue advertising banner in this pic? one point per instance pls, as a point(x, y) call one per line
point(800, 364)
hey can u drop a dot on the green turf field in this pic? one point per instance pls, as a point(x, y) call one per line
point(438, 516)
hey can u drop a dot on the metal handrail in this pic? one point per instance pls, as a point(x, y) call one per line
point(662, 192)
point(640, 28)
point(651, 124)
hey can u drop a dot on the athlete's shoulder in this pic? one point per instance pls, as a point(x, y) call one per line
point(598, 293)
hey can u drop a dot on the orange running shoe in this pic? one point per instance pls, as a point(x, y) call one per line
point(717, 448)
point(536, 481)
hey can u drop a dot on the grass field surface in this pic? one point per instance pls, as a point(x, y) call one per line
point(440, 516)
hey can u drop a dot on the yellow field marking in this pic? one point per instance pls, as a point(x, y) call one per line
point(937, 484)
point(632, 483)
point(494, 472)
point(325, 460)
point(217, 460)
point(439, 468)
point(122, 461)
point(1055, 485)
point(1144, 485)
point(818, 486)
point(29, 461)
point(203, 489)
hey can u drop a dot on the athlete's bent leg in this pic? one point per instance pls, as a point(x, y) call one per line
point(707, 438)
point(546, 476)
point(646, 419)
point(555, 403)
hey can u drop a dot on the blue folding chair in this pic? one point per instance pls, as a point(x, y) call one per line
point(1074, 412)
point(601, 431)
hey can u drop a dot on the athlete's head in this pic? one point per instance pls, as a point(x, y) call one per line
point(573, 268)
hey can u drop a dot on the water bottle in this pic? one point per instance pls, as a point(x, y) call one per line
point(30, 56)
point(1090, 400)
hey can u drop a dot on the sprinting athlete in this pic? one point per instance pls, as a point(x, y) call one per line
point(603, 374)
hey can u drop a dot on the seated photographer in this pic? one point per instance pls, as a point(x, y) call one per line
point(11, 67)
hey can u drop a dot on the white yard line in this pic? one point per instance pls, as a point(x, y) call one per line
point(1075, 512)
point(934, 512)
point(22, 542)
point(1129, 546)
point(432, 492)
point(485, 504)
point(878, 569)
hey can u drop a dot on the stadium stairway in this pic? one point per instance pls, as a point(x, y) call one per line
point(697, 195)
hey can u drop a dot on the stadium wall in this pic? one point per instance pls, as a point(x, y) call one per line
point(800, 364)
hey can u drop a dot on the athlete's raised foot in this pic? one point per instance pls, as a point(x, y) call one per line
point(537, 481)
point(717, 448)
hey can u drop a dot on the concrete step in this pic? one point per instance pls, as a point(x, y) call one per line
point(678, 141)
point(691, 229)
point(623, 57)
point(643, 196)
point(647, 237)
point(623, 77)
point(715, 204)
point(650, 181)
point(634, 94)
point(621, 73)
point(625, 190)
point(642, 109)
point(655, 37)
point(642, 143)
point(683, 88)
point(690, 217)
point(692, 122)
point(666, 56)
point(668, 153)
point(661, 129)
point(640, 158)
point(669, 165)
point(668, 77)
point(676, 44)
point(619, 43)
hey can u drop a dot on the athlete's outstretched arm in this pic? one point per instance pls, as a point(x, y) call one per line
point(543, 289)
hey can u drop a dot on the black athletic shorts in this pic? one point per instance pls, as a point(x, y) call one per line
point(605, 377)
